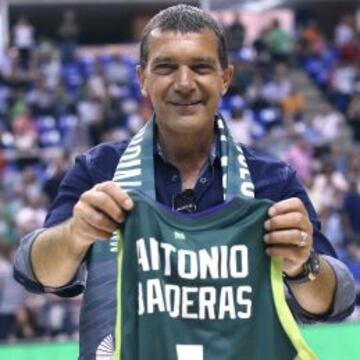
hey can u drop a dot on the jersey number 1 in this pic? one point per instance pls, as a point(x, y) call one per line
point(193, 352)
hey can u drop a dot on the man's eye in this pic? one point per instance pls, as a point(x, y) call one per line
point(164, 69)
point(202, 68)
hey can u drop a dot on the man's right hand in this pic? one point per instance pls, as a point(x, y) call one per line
point(58, 251)
point(98, 213)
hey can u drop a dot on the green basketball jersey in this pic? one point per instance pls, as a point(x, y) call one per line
point(200, 287)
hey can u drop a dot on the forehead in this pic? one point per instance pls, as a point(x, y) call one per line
point(176, 45)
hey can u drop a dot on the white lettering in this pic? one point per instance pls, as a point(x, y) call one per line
point(207, 302)
point(224, 262)
point(168, 249)
point(137, 139)
point(131, 153)
point(209, 263)
point(246, 314)
point(154, 296)
point(141, 308)
point(224, 161)
point(244, 172)
point(241, 260)
point(143, 260)
point(172, 298)
point(224, 184)
point(226, 303)
point(125, 174)
point(241, 159)
point(187, 269)
point(129, 164)
point(186, 302)
point(247, 188)
point(154, 251)
point(131, 184)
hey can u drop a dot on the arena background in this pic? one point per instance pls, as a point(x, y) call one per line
point(315, 126)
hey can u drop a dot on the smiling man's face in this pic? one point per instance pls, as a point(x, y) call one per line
point(184, 79)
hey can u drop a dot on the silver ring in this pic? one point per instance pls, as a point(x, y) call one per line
point(303, 238)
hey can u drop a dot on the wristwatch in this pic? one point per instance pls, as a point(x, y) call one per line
point(310, 271)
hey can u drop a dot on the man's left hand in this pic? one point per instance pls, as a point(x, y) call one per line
point(289, 234)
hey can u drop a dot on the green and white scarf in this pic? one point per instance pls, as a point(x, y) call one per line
point(135, 169)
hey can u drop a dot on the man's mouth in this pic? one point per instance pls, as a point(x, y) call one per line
point(185, 103)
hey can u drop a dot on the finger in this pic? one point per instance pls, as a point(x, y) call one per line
point(286, 206)
point(94, 233)
point(119, 196)
point(286, 237)
point(89, 231)
point(293, 253)
point(292, 220)
point(103, 202)
point(95, 218)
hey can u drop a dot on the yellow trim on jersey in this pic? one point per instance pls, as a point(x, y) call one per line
point(118, 321)
point(286, 319)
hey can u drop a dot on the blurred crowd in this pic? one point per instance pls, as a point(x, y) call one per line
point(56, 102)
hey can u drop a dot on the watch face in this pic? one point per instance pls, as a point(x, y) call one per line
point(313, 265)
point(311, 270)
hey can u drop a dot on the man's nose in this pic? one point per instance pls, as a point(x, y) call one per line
point(184, 82)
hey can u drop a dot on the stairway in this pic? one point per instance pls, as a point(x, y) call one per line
point(314, 100)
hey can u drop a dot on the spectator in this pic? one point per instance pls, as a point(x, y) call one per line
point(12, 296)
point(311, 34)
point(32, 215)
point(241, 125)
point(235, 33)
point(328, 123)
point(353, 116)
point(299, 156)
point(50, 68)
point(255, 92)
point(342, 84)
point(24, 40)
point(279, 42)
point(332, 228)
point(293, 105)
point(352, 260)
point(117, 72)
point(96, 84)
point(30, 185)
point(243, 77)
point(68, 33)
point(344, 31)
point(279, 87)
point(91, 113)
point(53, 176)
point(41, 99)
point(351, 211)
point(55, 317)
point(261, 47)
point(328, 188)
point(64, 102)
point(350, 52)
point(24, 130)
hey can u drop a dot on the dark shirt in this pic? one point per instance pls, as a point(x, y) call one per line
point(273, 179)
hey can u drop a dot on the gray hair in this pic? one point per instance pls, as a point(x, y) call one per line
point(183, 19)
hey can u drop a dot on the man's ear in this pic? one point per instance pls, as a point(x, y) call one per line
point(228, 74)
point(140, 72)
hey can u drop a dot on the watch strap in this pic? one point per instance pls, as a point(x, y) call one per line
point(311, 269)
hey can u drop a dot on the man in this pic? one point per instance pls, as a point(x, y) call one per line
point(184, 72)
